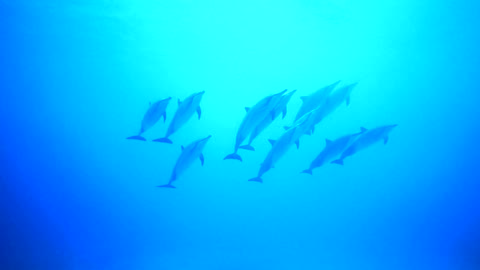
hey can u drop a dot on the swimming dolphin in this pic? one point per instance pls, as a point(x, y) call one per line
point(151, 117)
point(187, 157)
point(314, 100)
point(280, 108)
point(254, 116)
point(332, 103)
point(281, 146)
point(367, 139)
point(185, 111)
point(332, 149)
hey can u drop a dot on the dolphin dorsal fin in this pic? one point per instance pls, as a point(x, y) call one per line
point(363, 129)
point(328, 142)
point(183, 148)
point(247, 109)
point(272, 142)
point(304, 98)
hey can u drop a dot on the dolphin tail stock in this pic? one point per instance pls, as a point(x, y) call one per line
point(309, 171)
point(137, 137)
point(163, 140)
point(233, 156)
point(256, 179)
point(337, 161)
point(247, 147)
point(169, 185)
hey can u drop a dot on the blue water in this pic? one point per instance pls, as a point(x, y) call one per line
point(76, 79)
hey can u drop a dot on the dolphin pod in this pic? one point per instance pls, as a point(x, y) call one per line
point(151, 117)
point(185, 111)
point(315, 107)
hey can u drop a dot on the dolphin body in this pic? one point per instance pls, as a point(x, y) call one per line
point(331, 104)
point(281, 108)
point(332, 149)
point(187, 157)
point(151, 117)
point(185, 111)
point(314, 100)
point(254, 116)
point(368, 138)
point(281, 146)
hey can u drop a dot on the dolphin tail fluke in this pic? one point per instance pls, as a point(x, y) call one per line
point(256, 179)
point(309, 171)
point(163, 140)
point(247, 147)
point(169, 185)
point(233, 156)
point(137, 137)
point(337, 161)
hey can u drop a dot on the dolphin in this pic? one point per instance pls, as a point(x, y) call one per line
point(253, 117)
point(332, 149)
point(281, 146)
point(368, 138)
point(281, 108)
point(151, 117)
point(314, 100)
point(185, 111)
point(187, 157)
point(331, 104)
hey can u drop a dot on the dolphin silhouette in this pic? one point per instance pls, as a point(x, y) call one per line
point(367, 139)
point(314, 100)
point(187, 157)
point(281, 146)
point(184, 112)
point(253, 117)
point(281, 108)
point(151, 117)
point(332, 149)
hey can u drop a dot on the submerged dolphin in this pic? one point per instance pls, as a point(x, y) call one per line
point(187, 157)
point(281, 146)
point(367, 139)
point(281, 107)
point(151, 117)
point(332, 149)
point(185, 111)
point(314, 100)
point(332, 103)
point(254, 116)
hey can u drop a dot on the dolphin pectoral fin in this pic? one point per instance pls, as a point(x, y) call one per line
point(233, 156)
point(272, 114)
point(284, 112)
point(297, 143)
point(347, 101)
point(202, 159)
point(183, 148)
point(385, 140)
point(137, 137)
point(256, 179)
point(362, 129)
point(169, 185)
point(164, 114)
point(199, 112)
point(163, 140)
point(337, 161)
point(313, 129)
point(309, 171)
point(272, 142)
point(247, 147)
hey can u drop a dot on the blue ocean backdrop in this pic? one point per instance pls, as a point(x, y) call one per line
point(78, 76)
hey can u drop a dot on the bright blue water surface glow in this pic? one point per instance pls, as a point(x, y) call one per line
point(77, 78)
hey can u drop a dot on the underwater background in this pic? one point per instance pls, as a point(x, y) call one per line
point(77, 78)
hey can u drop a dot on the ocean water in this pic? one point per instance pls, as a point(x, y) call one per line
point(77, 77)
